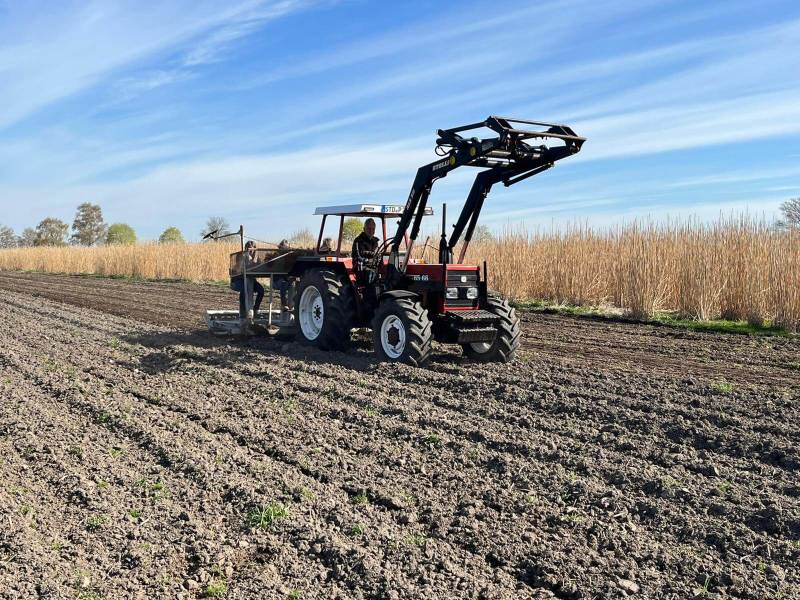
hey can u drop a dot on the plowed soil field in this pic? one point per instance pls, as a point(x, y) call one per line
point(142, 458)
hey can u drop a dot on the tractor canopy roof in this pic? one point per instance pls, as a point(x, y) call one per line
point(365, 210)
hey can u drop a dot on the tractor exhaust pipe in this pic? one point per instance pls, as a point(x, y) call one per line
point(444, 251)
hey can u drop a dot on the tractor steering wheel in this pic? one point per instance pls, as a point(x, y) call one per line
point(372, 263)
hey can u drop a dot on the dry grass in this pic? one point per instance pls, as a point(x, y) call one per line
point(192, 262)
point(738, 268)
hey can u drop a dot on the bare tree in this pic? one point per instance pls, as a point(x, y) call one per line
point(216, 225)
point(27, 238)
point(791, 213)
point(88, 227)
point(7, 237)
point(482, 234)
point(51, 232)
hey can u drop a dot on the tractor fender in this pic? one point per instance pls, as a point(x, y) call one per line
point(398, 294)
point(301, 267)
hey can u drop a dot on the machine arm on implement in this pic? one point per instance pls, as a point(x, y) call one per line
point(508, 158)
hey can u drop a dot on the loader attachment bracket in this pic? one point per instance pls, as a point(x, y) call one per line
point(510, 157)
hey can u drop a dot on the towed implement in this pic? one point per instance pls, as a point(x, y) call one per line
point(408, 303)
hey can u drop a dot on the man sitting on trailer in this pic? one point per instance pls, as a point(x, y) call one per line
point(364, 248)
point(238, 283)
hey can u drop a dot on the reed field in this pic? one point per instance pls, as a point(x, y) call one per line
point(736, 268)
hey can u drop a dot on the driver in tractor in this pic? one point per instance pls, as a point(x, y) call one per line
point(364, 248)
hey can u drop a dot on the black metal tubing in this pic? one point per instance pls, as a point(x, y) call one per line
point(507, 158)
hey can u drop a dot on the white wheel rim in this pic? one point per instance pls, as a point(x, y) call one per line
point(312, 313)
point(393, 336)
point(480, 347)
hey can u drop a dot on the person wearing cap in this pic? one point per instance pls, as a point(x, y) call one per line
point(249, 261)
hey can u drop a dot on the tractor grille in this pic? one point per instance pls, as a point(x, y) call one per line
point(474, 316)
point(462, 278)
point(478, 334)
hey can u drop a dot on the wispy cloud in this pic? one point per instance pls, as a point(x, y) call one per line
point(85, 42)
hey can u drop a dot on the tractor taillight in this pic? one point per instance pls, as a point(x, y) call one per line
point(472, 293)
point(452, 293)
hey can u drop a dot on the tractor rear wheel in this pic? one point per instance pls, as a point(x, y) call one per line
point(324, 310)
point(401, 331)
point(506, 342)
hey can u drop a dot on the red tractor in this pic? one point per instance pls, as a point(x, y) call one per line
point(410, 303)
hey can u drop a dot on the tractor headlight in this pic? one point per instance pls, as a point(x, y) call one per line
point(472, 293)
point(452, 293)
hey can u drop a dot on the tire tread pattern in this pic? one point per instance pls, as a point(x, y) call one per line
point(419, 333)
point(509, 333)
point(339, 310)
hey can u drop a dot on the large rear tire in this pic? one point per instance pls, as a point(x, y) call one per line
point(506, 342)
point(324, 310)
point(401, 331)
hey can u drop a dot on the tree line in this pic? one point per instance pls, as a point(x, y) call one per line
point(90, 229)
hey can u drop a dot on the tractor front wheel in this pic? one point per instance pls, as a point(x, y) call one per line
point(506, 342)
point(401, 331)
point(324, 310)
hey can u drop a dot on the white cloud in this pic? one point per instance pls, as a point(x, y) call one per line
point(47, 56)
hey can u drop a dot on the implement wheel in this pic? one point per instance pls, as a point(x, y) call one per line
point(324, 310)
point(506, 342)
point(401, 331)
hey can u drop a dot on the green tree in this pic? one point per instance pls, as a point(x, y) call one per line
point(121, 233)
point(171, 235)
point(51, 232)
point(350, 229)
point(7, 237)
point(216, 224)
point(88, 227)
point(27, 238)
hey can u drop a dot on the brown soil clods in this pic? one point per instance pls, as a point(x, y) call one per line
point(142, 458)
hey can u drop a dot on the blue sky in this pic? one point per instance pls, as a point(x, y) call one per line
point(165, 113)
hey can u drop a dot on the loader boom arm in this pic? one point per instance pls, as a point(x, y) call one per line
point(508, 158)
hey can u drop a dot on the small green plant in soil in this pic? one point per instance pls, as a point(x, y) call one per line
point(418, 539)
point(293, 595)
point(724, 387)
point(96, 522)
point(307, 495)
point(360, 499)
point(216, 589)
point(135, 513)
point(433, 440)
point(357, 530)
point(264, 517)
point(702, 592)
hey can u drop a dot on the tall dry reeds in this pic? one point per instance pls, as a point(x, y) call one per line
point(192, 262)
point(735, 268)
